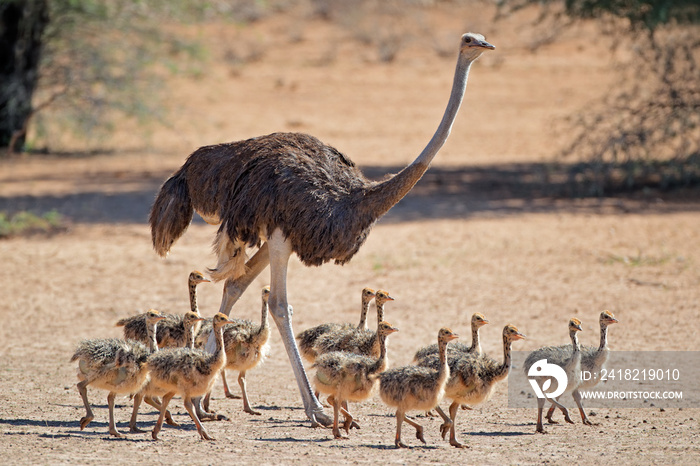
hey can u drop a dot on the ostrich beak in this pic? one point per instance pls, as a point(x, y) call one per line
point(483, 44)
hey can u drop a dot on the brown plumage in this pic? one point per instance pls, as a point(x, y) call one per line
point(118, 366)
point(355, 340)
point(150, 391)
point(416, 388)
point(568, 359)
point(478, 321)
point(473, 378)
point(289, 193)
point(350, 377)
point(246, 346)
point(307, 339)
point(171, 331)
point(593, 361)
point(187, 372)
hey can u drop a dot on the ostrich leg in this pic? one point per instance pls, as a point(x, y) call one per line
point(280, 250)
point(233, 289)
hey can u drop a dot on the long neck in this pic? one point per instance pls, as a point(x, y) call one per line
point(476, 344)
point(363, 314)
point(263, 317)
point(189, 336)
point(193, 297)
point(384, 195)
point(444, 370)
point(219, 355)
point(574, 341)
point(380, 365)
point(380, 310)
point(152, 339)
point(603, 337)
point(505, 367)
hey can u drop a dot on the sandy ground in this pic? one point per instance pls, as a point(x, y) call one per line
point(473, 236)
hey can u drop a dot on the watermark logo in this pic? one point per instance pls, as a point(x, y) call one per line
point(544, 369)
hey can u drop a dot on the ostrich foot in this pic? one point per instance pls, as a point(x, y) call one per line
point(445, 428)
point(456, 444)
point(85, 421)
point(419, 434)
point(320, 419)
point(116, 433)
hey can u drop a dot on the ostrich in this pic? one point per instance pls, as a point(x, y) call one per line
point(287, 193)
point(172, 331)
point(567, 359)
point(189, 372)
point(149, 392)
point(309, 337)
point(473, 378)
point(118, 366)
point(592, 361)
point(413, 387)
point(350, 377)
point(478, 321)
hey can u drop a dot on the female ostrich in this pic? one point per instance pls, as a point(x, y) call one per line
point(285, 193)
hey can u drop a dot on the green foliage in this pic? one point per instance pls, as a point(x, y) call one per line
point(25, 223)
point(103, 60)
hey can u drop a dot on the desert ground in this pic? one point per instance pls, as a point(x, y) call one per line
point(476, 234)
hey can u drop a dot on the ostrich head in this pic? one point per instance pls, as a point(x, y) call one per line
point(478, 320)
point(446, 335)
point(197, 277)
point(575, 326)
point(266, 293)
point(153, 317)
point(191, 318)
point(367, 295)
point(473, 45)
point(511, 333)
point(385, 328)
point(607, 318)
point(382, 296)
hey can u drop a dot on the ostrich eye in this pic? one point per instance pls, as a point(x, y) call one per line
point(467, 40)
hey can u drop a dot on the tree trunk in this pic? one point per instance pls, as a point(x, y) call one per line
point(22, 24)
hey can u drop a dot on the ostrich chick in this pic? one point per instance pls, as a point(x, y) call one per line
point(171, 332)
point(246, 345)
point(478, 321)
point(473, 378)
point(592, 361)
point(189, 373)
point(355, 340)
point(118, 366)
point(150, 391)
point(307, 339)
point(567, 359)
point(350, 377)
point(416, 388)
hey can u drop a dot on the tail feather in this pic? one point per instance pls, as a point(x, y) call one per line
point(171, 213)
